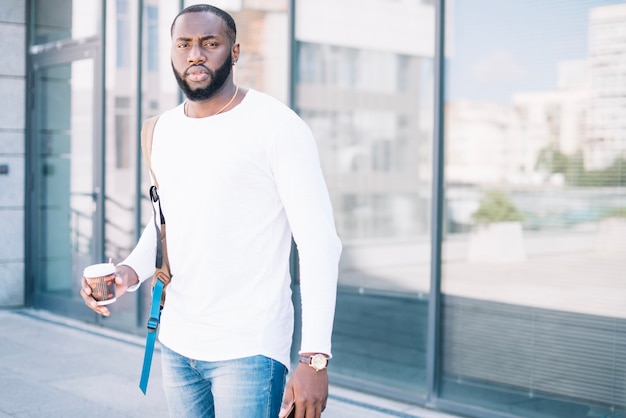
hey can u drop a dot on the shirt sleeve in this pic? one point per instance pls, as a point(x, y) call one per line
point(304, 194)
point(142, 258)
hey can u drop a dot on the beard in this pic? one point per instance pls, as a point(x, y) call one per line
point(218, 78)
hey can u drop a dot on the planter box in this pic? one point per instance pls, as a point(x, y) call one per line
point(611, 238)
point(501, 242)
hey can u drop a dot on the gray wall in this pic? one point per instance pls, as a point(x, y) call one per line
point(12, 150)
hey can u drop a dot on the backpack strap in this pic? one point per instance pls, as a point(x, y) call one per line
point(147, 133)
point(162, 275)
point(162, 262)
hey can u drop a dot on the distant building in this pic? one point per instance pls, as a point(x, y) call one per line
point(606, 122)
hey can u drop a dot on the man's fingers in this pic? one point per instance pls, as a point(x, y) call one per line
point(91, 303)
point(100, 310)
point(85, 289)
point(119, 280)
point(286, 411)
point(314, 410)
point(288, 402)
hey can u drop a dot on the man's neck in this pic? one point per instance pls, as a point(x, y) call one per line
point(223, 100)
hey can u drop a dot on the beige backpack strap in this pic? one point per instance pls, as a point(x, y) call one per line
point(147, 132)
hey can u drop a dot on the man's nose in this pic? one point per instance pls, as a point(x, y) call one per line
point(195, 54)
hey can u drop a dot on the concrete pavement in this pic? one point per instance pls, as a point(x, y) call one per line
point(51, 366)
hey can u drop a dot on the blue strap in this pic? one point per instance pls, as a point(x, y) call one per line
point(153, 325)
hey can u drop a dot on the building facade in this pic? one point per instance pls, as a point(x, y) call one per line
point(474, 153)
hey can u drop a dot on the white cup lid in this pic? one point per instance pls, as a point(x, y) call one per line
point(99, 270)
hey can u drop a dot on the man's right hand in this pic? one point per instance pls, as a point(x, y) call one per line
point(124, 278)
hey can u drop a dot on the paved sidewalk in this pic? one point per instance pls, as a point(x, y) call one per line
point(51, 366)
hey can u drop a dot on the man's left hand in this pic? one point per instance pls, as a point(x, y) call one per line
point(308, 390)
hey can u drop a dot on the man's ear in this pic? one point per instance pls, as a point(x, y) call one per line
point(235, 53)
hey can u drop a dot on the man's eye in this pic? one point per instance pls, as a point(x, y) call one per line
point(182, 45)
point(210, 44)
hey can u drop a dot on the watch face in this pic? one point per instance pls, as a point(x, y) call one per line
point(319, 362)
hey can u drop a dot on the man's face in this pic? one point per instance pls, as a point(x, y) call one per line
point(215, 80)
point(202, 55)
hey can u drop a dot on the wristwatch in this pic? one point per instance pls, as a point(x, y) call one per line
point(316, 361)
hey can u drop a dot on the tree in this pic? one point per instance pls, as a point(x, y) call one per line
point(496, 206)
point(553, 160)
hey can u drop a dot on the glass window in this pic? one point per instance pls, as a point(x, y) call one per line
point(152, 33)
point(64, 141)
point(534, 304)
point(123, 35)
point(367, 95)
point(121, 146)
point(58, 20)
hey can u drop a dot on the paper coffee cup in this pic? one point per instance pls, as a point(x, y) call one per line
point(101, 280)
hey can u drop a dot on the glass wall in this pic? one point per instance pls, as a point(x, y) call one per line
point(533, 313)
point(120, 171)
point(64, 142)
point(63, 20)
point(534, 304)
point(64, 224)
point(121, 144)
point(364, 84)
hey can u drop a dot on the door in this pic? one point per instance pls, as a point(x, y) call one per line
point(66, 151)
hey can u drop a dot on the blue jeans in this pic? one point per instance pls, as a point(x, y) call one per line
point(250, 387)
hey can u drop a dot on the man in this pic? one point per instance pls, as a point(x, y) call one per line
point(238, 175)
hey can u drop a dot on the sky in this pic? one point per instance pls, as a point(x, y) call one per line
point(503, 46)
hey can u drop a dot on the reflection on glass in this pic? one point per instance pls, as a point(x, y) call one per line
point(58, 20)
point(368, 102)
point(535, 298)
point(123, 161)
point(120, 140)
point(64, 143)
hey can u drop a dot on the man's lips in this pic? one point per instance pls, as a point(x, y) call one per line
point(197, 74)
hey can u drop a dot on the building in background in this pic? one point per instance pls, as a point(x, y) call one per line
point(438, 304)
point(606, 140)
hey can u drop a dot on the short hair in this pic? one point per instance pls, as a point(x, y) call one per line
point(231, 28)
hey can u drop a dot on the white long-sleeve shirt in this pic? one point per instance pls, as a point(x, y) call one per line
point(234, 188)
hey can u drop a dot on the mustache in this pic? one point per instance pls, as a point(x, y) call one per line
point(197, 67)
